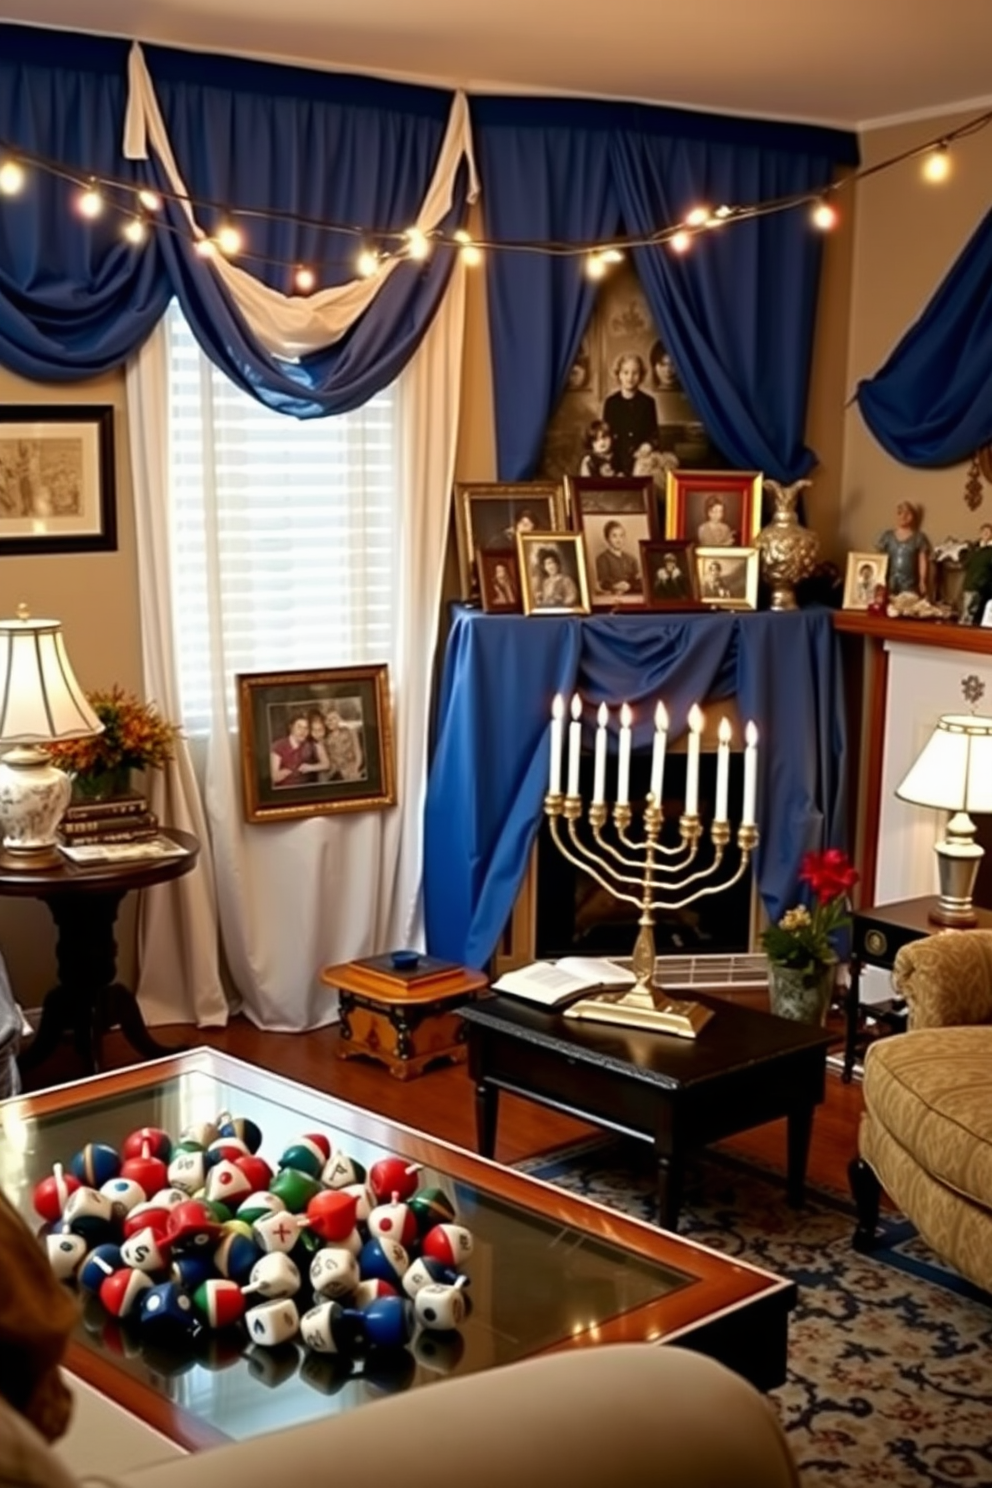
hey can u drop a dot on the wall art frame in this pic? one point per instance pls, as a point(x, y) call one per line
point(57, 479)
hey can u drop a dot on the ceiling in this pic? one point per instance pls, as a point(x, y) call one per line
point(850, 63)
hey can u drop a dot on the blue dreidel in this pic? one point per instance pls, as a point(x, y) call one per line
point(383, 1260)
point(95, 1164)
point(241, 1127)
point(387, 1323)
point(166, 1312)
point(101, 1262)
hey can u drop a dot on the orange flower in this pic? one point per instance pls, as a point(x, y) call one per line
point(135, 737)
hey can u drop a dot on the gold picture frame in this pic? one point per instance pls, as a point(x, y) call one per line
point(866, 572)
point(563, 590)
point(691, 495)
point(315, 742)
point(728, 577)
point(489, 513)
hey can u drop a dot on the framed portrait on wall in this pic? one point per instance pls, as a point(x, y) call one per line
point(713, 508)
point(489, 514)
point(57, 478)
point(553, 573)
point(315, 742)
point(613, 516)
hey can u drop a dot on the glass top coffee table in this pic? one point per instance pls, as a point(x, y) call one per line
point(549, 1270)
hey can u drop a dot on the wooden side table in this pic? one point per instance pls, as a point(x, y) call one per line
point(877, 936)
point(406, 1028)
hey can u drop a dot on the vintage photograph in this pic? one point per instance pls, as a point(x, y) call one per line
point(553, 573)
point(499, 580)
point(668, 575)
point(728, 577)
point(714, 509)
point(624, 410)
point(865, 580)
point(57, 478)
point(614, 518)
point(316, 741)
point(490, 514)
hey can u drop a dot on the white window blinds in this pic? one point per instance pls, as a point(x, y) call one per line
point(284, 533)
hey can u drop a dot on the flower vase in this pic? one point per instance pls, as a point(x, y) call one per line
point(101, 785)
point(802, 993)
point(788, 550)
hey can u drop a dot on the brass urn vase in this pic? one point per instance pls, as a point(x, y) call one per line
point(788, 550)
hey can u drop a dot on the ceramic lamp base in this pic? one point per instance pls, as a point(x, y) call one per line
point(33, 798)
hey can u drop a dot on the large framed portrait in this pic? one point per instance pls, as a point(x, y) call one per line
point(490, 514)
point(614, 516)
point(728, 577)
point(713, 508)
point(314, 742)
point(668, 570)
point(553, 573)
point(866, 573)
point(57, 478)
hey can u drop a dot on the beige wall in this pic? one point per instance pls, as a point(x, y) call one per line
point(95, 595)
point(907, 234)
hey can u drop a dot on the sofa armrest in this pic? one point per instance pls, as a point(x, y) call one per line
point(946, 978)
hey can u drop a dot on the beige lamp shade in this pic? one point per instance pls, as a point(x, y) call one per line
point(40, 699)
point(954, 770)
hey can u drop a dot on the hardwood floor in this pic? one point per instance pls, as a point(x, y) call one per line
point(442, 1100)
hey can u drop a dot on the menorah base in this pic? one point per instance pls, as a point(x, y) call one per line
point(638, 1009)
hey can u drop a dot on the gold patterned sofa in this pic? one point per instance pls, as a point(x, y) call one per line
point(926, 1132)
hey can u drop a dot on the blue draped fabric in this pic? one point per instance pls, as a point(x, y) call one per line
point(737, 313)
point(75, 300)
point(489, 770)
point(929, 405)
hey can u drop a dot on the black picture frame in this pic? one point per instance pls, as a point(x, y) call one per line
point(57, 479)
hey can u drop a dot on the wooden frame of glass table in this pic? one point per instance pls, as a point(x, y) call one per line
point(550, 1271)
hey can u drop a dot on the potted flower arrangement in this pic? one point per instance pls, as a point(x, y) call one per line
point(801, 948)
point(135, 737)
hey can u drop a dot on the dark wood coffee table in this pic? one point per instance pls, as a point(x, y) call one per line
point(745, 1068)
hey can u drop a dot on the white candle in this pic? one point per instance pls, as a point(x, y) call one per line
point(658, 755)
point(554, 777)
point(692, 763)
point(574, 746)
point(722, 770)
point(750, 775)
point(599, 762)
point(623, 764)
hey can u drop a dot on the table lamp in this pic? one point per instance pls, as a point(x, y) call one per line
point(954, 773)
point(40, 703)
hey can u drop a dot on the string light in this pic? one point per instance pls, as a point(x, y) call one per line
point(417, 244)
point(825, 215)
point(304, 279)
point(90, 201)
point(611, 255)
point(12, 177)
point(368, 263)
point(205, 247)
point(595, 267)
point(136, 230)
point(150, 200)
point(722, 213)
point(229, 240)
point(471, 252)
point(937, 164)
point(697, 217)
point(679, 241)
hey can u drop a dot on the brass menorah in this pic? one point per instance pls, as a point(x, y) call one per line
point(646, 872)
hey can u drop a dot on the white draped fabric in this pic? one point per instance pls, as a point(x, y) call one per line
point(289, 899)
point(293, 325)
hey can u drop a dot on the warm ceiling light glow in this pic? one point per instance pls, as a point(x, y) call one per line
point(824, 215)
point(937, 165)
point(305, 279)
point(697, 216)
point(90, 201)
point(135, 231)
point(368, 263)
point(149, 199)
point(595, 267)
point(11, 177)
point(680, 241)
point(417, 245)
point(229, 239)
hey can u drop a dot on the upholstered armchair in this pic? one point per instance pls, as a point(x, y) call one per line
point(926, 1133)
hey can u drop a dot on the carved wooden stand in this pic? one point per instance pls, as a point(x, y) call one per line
point(406, 1029)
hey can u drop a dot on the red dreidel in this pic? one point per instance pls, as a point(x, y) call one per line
point(157, 1142)
point(52, 1194)
point(145, 1168)
point(394, 1221)
point(122, 1292)
point(332, 1215)
point(450, 1244)
point(393, 1176)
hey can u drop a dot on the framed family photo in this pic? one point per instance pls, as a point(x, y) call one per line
point(614, 516)
point(490, 514)
point(57, 478)
point(866, 572)
point(728, 577)
point(499, 581)
point(713, 508)
point(668, 571)
point(553, 573)
point(315, 742)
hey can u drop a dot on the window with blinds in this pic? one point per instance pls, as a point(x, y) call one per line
point(284, 533)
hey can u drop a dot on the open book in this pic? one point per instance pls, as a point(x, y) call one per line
point(549, 983)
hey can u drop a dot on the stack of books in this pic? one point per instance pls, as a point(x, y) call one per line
point(122, 819)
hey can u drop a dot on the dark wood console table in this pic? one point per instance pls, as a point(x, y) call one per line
point(89, 1000)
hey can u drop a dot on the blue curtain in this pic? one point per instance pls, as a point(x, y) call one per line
point(929, 405)
point(737, 313)
point(489, 771)
point(75, 300)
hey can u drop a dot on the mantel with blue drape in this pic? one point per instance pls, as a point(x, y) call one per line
point(930, 404)
point(489, 771)
point(737, 313)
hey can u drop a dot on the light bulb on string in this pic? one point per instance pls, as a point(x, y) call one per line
point(205, 247)
point(937, 164)
point(229, 239)
point(595, 267)
point(723, 212)
point(417, 244)
point(304, 279)
point(149, 199)
point(135, 230)
point(471, 252)
point(680, 242)
point(611, 255)
point(90, 202)
point(12, 177)
point(368, 263)
point(697, 217)
point(825, 215)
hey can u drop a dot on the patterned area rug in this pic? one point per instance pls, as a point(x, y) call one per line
point(889, 1379)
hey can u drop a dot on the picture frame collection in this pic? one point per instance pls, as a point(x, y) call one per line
point(610, 544)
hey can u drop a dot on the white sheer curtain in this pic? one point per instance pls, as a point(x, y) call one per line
point(289, 899)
